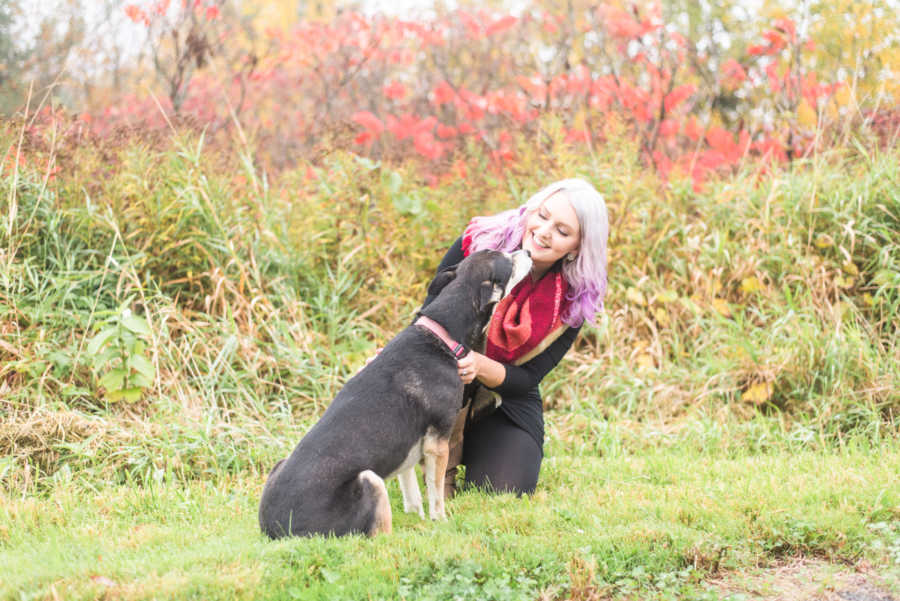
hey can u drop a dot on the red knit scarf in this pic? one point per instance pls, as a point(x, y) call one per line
point(522, 320)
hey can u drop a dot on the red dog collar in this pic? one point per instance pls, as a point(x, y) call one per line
point(457, 348)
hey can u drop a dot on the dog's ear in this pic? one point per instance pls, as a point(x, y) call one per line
point(488, 293)
point(440, 280)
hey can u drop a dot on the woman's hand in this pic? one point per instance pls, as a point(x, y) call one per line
point(468, 367)
point(475, 365)
point(369, 360)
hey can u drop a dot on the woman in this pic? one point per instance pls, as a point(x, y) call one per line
point(564, 227)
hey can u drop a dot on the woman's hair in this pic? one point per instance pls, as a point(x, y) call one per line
point(586, 275)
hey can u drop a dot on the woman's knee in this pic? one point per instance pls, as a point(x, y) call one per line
point(501, 457)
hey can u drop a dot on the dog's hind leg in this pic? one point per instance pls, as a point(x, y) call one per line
point(381, 517)
point(409, 488)
point(436, 450)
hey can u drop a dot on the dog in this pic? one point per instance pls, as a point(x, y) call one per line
point(397, 411)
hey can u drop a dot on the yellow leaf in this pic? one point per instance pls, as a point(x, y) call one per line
point(645, 361)
point(844, 281)
point(824, 241)
point(869, 299)
point(806, 115)
point(842, 96)
point(662, 316)
point(840, 308)
point(758, 393)
point(750, 285)
point(851, 268)
point(721, 305)
point(666, 296)
point(635, 296)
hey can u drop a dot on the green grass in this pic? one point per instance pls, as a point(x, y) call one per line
point(641, 513)
point(735, 405)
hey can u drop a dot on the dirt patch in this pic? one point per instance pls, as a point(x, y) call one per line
point(807, 580)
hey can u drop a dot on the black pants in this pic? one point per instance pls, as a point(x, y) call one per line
point(501, 456)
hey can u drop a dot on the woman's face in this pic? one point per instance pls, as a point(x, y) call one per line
point(551, 232)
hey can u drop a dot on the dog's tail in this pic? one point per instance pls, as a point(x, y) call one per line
point(373, 489)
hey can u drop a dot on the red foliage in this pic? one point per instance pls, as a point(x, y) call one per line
point(347, 76)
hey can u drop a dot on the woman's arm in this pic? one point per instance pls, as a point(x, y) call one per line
point(451, 258)
point(516, 380)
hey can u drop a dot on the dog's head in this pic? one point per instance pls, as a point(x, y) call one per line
point(486, 276)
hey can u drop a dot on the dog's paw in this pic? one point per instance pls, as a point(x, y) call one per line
point(410, 508)
point(437, 514)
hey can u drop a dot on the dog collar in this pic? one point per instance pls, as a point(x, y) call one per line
point(458, 349)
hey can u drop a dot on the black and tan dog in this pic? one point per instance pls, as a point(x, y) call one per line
point(395, 412)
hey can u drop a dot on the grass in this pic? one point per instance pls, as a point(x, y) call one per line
point(735, 405)
point(640, 514)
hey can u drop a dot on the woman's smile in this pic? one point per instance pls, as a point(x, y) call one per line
point(551, 233)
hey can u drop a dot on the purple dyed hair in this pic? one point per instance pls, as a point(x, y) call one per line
point(586, 275)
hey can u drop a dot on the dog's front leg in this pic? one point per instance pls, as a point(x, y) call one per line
point(409, 488)
point(436, 450)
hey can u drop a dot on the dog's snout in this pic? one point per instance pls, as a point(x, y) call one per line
point(521, 260)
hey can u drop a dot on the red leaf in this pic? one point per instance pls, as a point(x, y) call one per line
point(442, 93)
point(446, 132)
point(692, 129)
point(774, 79)
point(135, 14)
point(757, 49)
point(668, 128)
point(427, 146)
point(719, 138)
point(787, 26)
point(577, 135)
point(678, 95)
point(770, 149)
point(732, 70)
point(621, 24)
point(501, 25)
point(369, 121)
point(394, 90)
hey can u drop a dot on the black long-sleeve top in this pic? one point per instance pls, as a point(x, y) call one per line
point(519, 390)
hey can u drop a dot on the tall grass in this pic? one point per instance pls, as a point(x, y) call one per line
point(774, 292)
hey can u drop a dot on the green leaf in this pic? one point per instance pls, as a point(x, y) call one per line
point(395, 180)
point(367, 163)
point(60, 359)
point(140, 364)
point(100, 340)
point(114, 380)
point(130, 395)
point(885, 277)
point(408, 205)
point(141, 381)
point(105, 357)
point(136, 324)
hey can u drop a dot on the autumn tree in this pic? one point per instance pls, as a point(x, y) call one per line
point(11, 58)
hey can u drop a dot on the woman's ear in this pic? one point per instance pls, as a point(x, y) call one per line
point(440, 280)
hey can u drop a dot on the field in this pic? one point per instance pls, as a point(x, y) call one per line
point(172, 319)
